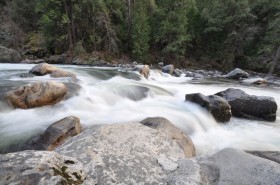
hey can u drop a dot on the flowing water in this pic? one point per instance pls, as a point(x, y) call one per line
point(114, 95)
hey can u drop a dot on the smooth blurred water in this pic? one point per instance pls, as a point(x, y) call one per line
point(113, 95)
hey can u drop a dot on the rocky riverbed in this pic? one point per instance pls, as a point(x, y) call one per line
point(146, 132)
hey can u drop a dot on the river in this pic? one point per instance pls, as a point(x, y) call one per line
point(114, 95)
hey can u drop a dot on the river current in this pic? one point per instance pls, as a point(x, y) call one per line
point(114, 96)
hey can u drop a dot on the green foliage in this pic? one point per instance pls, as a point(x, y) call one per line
point(141, 30)
point(229, 33)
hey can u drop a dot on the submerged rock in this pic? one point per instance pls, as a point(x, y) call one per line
point(250, 106)
point(256, 81)
point(237, 74)
point(164, 126)
point(36, 95)
point(9, 55)
point(40, 167)
point(61, 73)
point(270, 155)
point(54, 135)
point(124, 154)
point(217, 106)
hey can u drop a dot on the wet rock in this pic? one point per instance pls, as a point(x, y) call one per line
point(177, 72)
point(217, 106)
point(9, 55)
point(256, 81)
point(124, 154)
point(54, 135)
point(144, 70)
point(61, 73)
point(168, 69)
point(43, 69)
point(250, 106)
point(237, 74)
point(164, 126)
point(232, 166)
point(36, 95)
point(270, 155)
point(40, 167)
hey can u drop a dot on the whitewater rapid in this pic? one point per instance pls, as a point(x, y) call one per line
point(114, 95)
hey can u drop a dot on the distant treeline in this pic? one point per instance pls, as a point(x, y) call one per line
point(225, 33)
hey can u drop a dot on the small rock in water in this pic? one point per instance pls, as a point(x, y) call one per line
point(36, 95)
point(54, 135)
point(43, 69)
point(168, 69)
point(144, 70)
point(217, 106)
point(250, 106)
point(256, 81)
point(237, 74)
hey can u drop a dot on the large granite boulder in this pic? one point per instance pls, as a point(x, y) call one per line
point(144, 70)
point(168, 69)
point(45, 68)
point(237, 74)
point(217, 106)
point(9, 55)
point(164, 126)
point(54, 135)
point(227, 167)
point(250, 106)
point(124, 154)
point(40, 167)
point(232, 166)
point(36, 95)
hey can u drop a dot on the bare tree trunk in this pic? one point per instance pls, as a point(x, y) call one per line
point(129, 23)
point(274, 62)
point(72, 23)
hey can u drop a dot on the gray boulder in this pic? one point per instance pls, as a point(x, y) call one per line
point(237, 74)
point(164, 126)
point(232, 166)
point(9, 55)
point(168, 69)
point(270, 155)
point(36, 95)
point(54, 135)
point(250, 106)
point(217, 106)
point(124, 154)
point(38, 167)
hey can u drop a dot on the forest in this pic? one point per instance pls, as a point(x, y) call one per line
point(219, 34)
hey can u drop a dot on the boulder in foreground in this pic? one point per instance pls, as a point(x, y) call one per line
point(36, 95)
point(250, 106)
point(164, 126)
point(40, 167)
point(54, 135)
point(124, 154)
point(217, 106)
